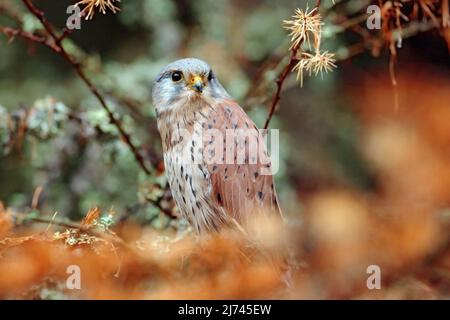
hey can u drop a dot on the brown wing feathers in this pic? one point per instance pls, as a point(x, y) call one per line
point(239, 188)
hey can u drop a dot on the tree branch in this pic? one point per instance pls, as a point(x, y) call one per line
point(57, 47)
point(12, 33)
point(284, 74)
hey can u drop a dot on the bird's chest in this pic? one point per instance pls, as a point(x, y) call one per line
point(187, 173)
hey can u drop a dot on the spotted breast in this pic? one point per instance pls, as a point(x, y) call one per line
point(215, 175)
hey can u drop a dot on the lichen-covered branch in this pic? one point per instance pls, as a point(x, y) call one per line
point(55, 43)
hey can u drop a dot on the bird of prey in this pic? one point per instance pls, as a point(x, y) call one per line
point(215, 157)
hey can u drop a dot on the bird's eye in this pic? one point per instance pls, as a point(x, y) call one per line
point(177, 76)
point(210, 76)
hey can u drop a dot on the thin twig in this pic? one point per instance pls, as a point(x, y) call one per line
point(12, 33)
point(284, 74)
point(280, 81)
point(58, 48)
point(36, 195)
point(72, 225)
point(274, 62)
point(157, 203)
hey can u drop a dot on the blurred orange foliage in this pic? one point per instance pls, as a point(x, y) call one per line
point(402, 226)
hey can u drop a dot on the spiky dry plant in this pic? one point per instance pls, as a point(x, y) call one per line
point(101, 5)
point(306, 31)
point(302, 25)
point(320, 62)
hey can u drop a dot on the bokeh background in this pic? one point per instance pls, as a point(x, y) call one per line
point(365, 164)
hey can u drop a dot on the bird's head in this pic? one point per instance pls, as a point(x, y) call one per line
point(185, 82)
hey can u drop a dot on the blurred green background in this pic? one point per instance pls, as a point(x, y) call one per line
point(75, 155)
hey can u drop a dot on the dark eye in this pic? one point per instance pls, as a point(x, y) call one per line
point(177, 76)
point(210, 76)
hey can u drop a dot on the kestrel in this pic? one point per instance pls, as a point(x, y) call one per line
point(215, 157)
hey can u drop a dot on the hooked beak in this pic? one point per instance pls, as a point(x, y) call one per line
point(197, 83)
